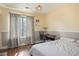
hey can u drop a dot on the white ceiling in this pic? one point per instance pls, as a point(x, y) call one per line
point(46, 7)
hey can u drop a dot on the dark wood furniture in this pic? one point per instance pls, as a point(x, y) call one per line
point(45, 36)
point(50, 37)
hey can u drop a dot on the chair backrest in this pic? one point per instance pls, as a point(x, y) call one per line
point(41, 33)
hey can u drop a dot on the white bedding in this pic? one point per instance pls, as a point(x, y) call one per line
point(62, 47)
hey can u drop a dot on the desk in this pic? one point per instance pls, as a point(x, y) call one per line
point(50, 37)
point(46, 36)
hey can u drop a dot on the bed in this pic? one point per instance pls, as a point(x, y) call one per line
point(61, 47)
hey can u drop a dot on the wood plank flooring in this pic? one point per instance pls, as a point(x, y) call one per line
point(19, 51)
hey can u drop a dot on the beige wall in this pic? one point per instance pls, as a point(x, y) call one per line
point(0, 33)
point(64, 18)
point(42, 22)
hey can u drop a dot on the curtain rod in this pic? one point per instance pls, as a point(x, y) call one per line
point(22, 14)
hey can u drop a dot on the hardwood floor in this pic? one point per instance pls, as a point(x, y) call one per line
point(19, 51)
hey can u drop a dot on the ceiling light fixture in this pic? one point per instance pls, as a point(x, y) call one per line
point(27, 7)
point(39, 7)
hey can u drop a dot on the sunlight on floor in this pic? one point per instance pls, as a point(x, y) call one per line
point(23, 53)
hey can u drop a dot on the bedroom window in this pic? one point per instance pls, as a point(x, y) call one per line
point(21, 30)
point(23, 27)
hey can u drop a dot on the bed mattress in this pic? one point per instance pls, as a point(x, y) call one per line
point(56, 48)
